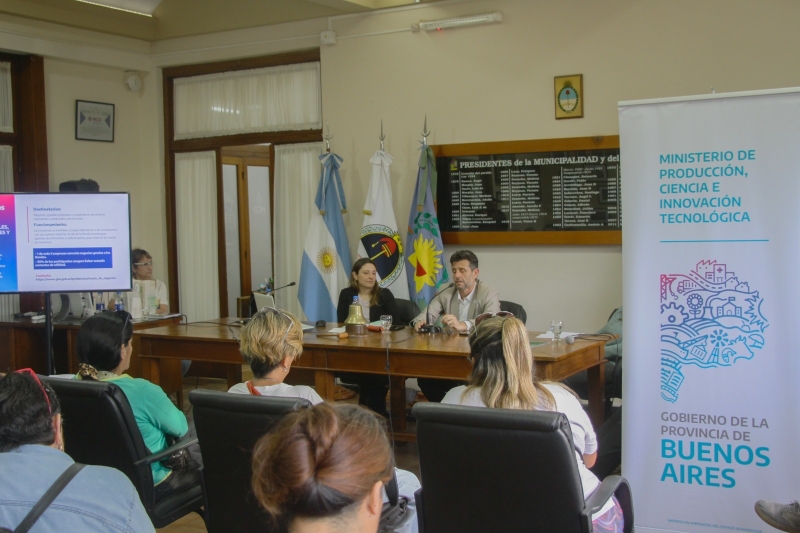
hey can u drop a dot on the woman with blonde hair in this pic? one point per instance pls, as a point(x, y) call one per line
point(270, 343)
point(503, 376)
point(323, 470)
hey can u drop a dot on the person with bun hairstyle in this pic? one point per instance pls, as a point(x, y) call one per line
point(270, 343)
point(32, 458)
point(104, 352)
point(323, 469)
point(503, 376)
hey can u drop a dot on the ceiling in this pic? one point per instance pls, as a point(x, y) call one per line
point(154, 20)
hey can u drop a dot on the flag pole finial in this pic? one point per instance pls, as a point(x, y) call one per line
point(328, 137)
point(382, 136)
point(425, 132)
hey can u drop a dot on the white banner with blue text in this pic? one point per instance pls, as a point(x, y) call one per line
point(711, 237)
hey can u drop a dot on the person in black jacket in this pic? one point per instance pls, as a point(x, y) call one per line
point(375, 301)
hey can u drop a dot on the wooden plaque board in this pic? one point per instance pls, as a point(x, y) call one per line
point(549, 191)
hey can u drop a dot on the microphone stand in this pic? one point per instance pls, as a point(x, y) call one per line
point(428, 327)
point(254, 310)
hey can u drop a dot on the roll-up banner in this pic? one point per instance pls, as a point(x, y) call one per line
point(711, 238)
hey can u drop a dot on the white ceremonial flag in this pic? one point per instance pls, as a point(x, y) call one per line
point(379, 239)
point(711, 416)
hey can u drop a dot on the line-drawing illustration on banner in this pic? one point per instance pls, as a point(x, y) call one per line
point(709, 318)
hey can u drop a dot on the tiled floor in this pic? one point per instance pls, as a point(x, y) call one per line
point(405, 453)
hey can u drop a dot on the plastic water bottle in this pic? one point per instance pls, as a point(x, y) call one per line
point(99, 305)
point(83, 306)
point(119, 303)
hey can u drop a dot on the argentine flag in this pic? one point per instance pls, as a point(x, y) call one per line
point(325, 269)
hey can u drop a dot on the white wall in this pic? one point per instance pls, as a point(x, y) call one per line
point(130, 164)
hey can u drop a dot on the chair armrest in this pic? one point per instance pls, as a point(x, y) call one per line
point(420, 518)
point(163, 454)
point(599, 497)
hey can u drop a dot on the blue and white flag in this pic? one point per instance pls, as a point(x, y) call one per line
point(424, 248)
point(380, 240)
point(326, 258)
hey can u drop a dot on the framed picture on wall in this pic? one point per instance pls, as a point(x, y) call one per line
point(94, 121)
point(569, 96)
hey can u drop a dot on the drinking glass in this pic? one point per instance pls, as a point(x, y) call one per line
point(386, 322)
point(556, 326)
point(145, 310)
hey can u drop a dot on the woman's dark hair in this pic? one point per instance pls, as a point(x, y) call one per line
point(137, 254)
point(102, 336)
point(25, 417)
point(376, 289)
point(320, 461)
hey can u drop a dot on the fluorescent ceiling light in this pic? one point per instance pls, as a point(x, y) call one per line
point(137, 7)
point(458, 22)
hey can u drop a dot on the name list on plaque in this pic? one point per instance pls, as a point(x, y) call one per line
point(577, 190)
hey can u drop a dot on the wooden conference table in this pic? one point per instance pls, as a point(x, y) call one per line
point(24, 344)
point(409, 355)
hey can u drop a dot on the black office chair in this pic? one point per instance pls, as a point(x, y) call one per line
point(100, 429)
point(407, 309)
point(510, 471)
point(228, 426)
point(515, 308)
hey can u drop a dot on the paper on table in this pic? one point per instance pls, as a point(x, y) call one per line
point(306, 327)
point(549, 334)
point(336, 330)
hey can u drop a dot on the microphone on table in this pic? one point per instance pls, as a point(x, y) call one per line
point(428, 327)
point(254, 308)
point(292, 284)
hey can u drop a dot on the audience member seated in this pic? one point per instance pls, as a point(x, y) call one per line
point(375, 301)
point(104, 352)
point(32, 459)
point(502, 377)
point(270, 343)
point(324, 469)
point(142, 269)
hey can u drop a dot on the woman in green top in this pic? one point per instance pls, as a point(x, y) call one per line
point(104, 351)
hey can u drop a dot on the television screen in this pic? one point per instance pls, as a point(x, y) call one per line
point(65, 242)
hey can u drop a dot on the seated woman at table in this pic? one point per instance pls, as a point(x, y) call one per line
point(324, 469)
point(374, 301)
point(503, 377)
point(270, 343)
point(104, 352)
point(142, 269)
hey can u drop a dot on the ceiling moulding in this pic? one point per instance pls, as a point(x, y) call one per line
point(84, 16)
point(143, 7)
point(355, 6)
point(27, 36)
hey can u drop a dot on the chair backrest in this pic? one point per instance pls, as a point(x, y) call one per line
point(228, 426)
point(100, 429)
point(515, 308)
point(407, 309)
point(496, 470)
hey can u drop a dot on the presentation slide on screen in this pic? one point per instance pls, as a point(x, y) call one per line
point(64, 242)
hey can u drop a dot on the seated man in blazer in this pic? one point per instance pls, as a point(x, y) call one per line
point(457, 307)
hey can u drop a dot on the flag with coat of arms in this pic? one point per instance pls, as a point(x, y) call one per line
point(325, 267)
point(380, 240)
point(424, 269)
